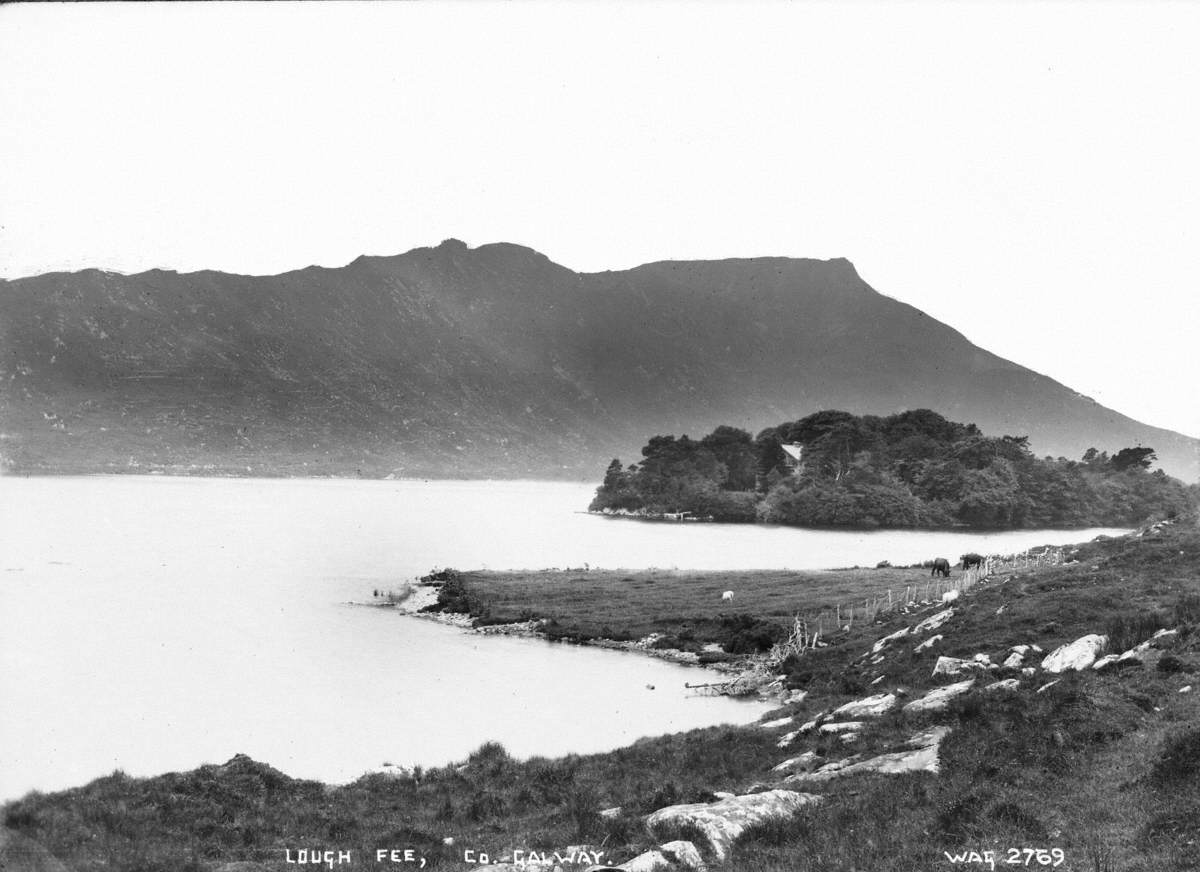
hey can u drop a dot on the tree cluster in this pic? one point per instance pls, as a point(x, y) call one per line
point(913, 469)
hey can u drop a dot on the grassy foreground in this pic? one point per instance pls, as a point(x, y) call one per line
point(1102, 765)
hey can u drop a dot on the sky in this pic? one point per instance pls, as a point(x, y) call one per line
point(1026, 173)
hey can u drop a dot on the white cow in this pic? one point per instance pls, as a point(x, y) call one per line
point(727, 596)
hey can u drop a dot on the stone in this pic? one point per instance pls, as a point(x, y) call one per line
point(923, 757)
point(1008, 684)
point(868, 707)
point(1028, 670)
point(804, 761)
point(886, 640)
point(777, 723)
point(933, 622)
point(1014, 660)
point(611, 813)
point(1105, 661)
point(809, 726)
point(791, 697)
point(841, 727)
point(940, 697)
point(787, 739)
point(952, 666)
point(1187, 688)
point(928, 643)
point(721, 822)
point(1076, 655)
point(1046, 687)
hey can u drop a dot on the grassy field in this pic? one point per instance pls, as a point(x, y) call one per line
point(685, 606)
point(1104, 766)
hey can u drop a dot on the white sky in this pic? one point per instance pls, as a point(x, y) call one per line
point(1028, 173)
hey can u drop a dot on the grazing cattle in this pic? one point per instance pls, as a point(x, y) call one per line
point(941, 566)
point(972, 559)
point(727, 596)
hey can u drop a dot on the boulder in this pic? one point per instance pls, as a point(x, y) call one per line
point(787, 739)
point(804, 761)
point(952, 666)
point(1076, 655)
point(933, 621)
point(940, 697)
point(1008, 684)
point(886, 640)
point(922, 757)
point(669, 857)
point(1105, 661)
point(776, 724)
point(1015, 659)
point(721, 822)
point(869, 707)
point(928, 643)
point(844, 727)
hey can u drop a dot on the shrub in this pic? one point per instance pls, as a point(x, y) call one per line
point(1169, 664)
point(1179, 760)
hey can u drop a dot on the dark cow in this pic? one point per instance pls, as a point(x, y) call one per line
point(972, 559)
point(941, 566)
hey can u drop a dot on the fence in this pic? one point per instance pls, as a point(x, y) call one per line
point(808, 630)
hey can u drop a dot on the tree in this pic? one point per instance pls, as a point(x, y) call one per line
point(1133, 458)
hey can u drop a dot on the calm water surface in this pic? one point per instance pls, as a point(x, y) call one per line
point(154, 624)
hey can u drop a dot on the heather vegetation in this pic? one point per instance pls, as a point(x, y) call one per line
point(913, 469)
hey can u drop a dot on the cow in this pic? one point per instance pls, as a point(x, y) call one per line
point(972, 559)
point(941, 566)
point(727, 596)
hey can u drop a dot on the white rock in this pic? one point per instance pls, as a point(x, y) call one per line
point(777, 723)
point(809, 726)
point(952, 666)
point(841, 728)
point(940, 697)
point(804, 761)
point(1020, 649)
point(787, 739)
point(869, 707)
point(933, 622)
point(924, 758)
point(1014, 660)
point(610, 813)
point(875, 681)
point(1187, 688)
point(1105, 660)
point(723, 821)
point(1028, 670)
point(1046, 687)
point(1006, 684)
point(1076, 655)
point(886, 640)
point(928, 643)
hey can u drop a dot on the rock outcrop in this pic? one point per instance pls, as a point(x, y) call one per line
point(1076, 655)
point(940, 697)
point(869, 707)
point(723, 821)
point(922, 757)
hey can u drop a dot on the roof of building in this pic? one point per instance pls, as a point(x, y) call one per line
point(793, 450)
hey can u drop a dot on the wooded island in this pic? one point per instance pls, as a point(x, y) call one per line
point(912, 469)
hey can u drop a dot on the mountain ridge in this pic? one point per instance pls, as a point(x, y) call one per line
point(494, 360)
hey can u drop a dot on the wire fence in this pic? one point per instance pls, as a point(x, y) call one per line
point(809, 630)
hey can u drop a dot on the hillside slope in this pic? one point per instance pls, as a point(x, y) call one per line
point(487, 361)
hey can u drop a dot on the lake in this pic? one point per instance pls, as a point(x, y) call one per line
point(154, 624)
